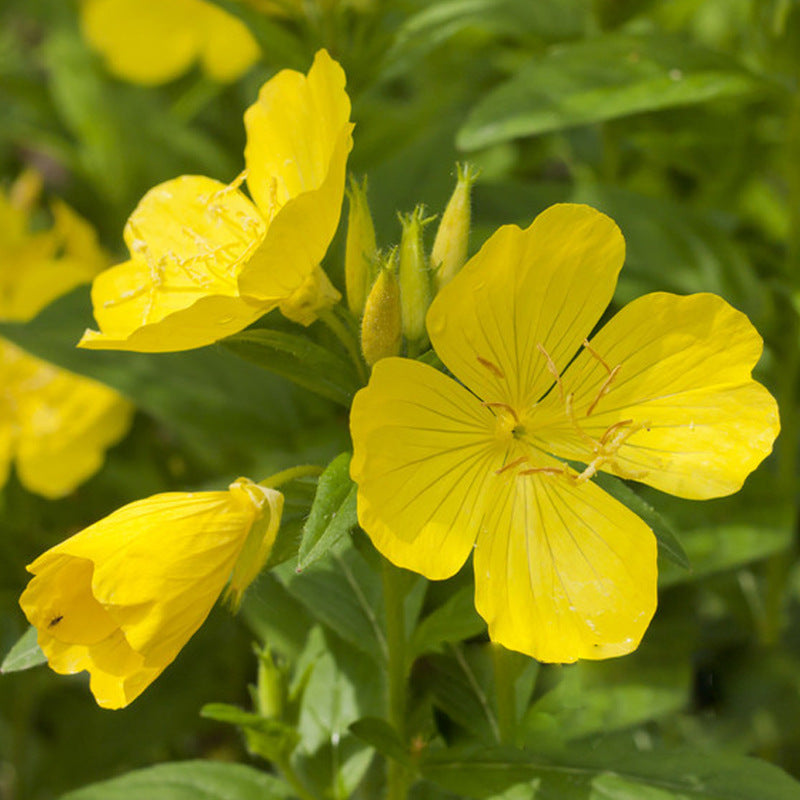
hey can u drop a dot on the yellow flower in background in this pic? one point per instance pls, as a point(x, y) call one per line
point(205, 260)
point(154, 41)
point(36, 267)
point(122, 597)
point(54, 425)
point(662, 394)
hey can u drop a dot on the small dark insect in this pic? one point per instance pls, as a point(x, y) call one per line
point(53, 622)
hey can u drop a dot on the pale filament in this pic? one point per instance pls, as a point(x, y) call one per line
point(505, 407)
point(511, 465)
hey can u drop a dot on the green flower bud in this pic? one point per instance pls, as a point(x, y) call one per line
point(449, 252)
point(381, 326)
point(415, 281)
point(360, 248)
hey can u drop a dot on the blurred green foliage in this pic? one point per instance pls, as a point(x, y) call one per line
point(680, 119)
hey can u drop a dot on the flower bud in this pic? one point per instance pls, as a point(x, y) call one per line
point(360, 249)
point(382, 326)
point(449, 252)
point(415, 282)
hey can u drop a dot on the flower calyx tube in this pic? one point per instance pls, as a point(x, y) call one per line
point(382, 323)
point(360, 248)
point(451, 244)
point(414, 275)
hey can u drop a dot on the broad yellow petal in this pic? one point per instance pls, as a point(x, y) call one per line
point(189, 238)
point(298, 140)
point(424, 452)
point(227, 48)
point(688, 417)
point(543, 287)
point(65, 427)
point(57, 425)
point(121, 597)
point(563, 571)
point(144, 41)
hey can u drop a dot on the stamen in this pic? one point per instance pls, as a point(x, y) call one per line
point(551, 367)
point(511, 465)
point(597, 355)
point(613, 428)
point(545, 470)
point(505, 407)
point(604, 388)
point(493, 368)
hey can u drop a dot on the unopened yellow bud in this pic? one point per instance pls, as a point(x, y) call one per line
point(360, 249)
point(382, 325)
point(415, 281)
point(449, 252)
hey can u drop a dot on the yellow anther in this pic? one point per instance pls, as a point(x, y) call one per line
point(493, 368)
point(545, 470)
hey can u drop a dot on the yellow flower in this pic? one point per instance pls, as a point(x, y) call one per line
point(55, 425)
point(661, 394)
point(122, 597)
point(153, 41)
point(205, 260)
point(36, 267)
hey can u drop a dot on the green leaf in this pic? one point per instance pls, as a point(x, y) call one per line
point(668, 541)
point(581, 774)
point(25, 654)
point(453, 621)
point(333, 512)
point(439, 22)
point(724, 547)
point(343, 593)
point(382, 736)
point(602, 78)
point(300, 360)
point(187, 780)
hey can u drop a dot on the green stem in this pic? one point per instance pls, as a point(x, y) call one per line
point(348, 339)
point(504, 675)
point(291, 474)
point(397, 777)
point(293, 779)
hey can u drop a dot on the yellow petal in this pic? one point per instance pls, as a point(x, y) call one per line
point(189, 238)
point(62, 423)
point(123, 596)
point(697, 424)
point(563, 571)
point(227, 48)
point(423, 452)
point(545, 286)
point(298, 140)
point(144, 41)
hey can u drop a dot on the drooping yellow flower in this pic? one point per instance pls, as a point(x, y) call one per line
point(54, 425)
point(122, 597)
point(154, 41)
point(205, 260)
point(662, 394)
point(36, 267)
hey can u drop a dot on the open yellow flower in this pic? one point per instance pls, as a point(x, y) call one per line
point(122, 597)
point(205, 260)
point(154, 41)
point(54, 425)
point(662, 394)
point(36, 267)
